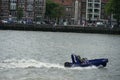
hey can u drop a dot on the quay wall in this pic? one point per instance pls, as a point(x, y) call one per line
point(60, 28)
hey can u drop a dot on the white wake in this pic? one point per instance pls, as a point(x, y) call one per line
point(31, 63)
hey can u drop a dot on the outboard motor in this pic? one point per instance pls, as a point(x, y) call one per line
point(105, 61)
point(67, 64)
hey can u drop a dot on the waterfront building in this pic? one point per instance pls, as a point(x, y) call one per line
point(22, 4)
point(103, 15)
point(92, 10)
point(4, 9)
point(29, 9)
point(32, 9)
point(12, 8)
point(39, 9)
point(84, 10)
point(69, 10)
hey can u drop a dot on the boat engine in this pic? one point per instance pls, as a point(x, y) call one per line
point(67, 64)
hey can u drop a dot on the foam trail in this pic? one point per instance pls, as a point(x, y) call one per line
point(13, 63)
point(31, 63)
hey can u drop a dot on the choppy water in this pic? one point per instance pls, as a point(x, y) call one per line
point(28, 55)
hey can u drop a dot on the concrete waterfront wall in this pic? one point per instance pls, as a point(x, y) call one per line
point(60, 28)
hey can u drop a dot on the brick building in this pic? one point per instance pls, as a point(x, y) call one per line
point(32, 9)
point(87, 10)
point(69, 10)
point(4, 12)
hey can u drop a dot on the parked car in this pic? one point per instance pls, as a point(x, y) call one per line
point(100, 24)
point(4, 21)
point(38, 22)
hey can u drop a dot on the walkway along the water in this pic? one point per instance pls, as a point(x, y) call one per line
point(60, 28)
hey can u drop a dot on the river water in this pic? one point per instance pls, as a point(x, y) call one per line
point(29, 55)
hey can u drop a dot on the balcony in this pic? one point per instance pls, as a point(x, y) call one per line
point(90, 10)
point(96, 16)
point(13, 6)
point(97, 5)
point(97, 0)
point(97, 11)
point(90, 5)
point(90, 0)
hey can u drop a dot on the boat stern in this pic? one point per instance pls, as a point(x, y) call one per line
point(104, 62)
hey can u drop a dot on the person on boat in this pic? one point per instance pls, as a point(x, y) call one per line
point(76, 59)
point(73, 58)
point(84, 61)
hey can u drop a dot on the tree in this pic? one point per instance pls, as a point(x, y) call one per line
point(112, 7)
point(19, 13)
point(54, 10)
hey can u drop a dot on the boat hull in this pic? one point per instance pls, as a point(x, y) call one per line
point(95, 62)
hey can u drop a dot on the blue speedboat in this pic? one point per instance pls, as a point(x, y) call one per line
point(86, 63)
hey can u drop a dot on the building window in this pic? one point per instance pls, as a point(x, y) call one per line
point(90, 10)
point(29, 8)
point(13, 6)
point(90, 0)
point(83, 16)
point(96, 10)
point(97, 0)
point(96, 16)
point(90, 5)
point(89, 16)
point(96, 5)
point(13, 13)
point(30, 14)
point(67, 9)
point(30, 1)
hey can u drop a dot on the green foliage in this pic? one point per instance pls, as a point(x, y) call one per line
point(116, 9)
point(54, 10)
point(112, 7)
point(108, 7)
point(19, 13)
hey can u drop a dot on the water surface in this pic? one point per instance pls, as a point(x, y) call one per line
point(29, 55)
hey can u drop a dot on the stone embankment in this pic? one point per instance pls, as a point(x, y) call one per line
point(60, 28)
